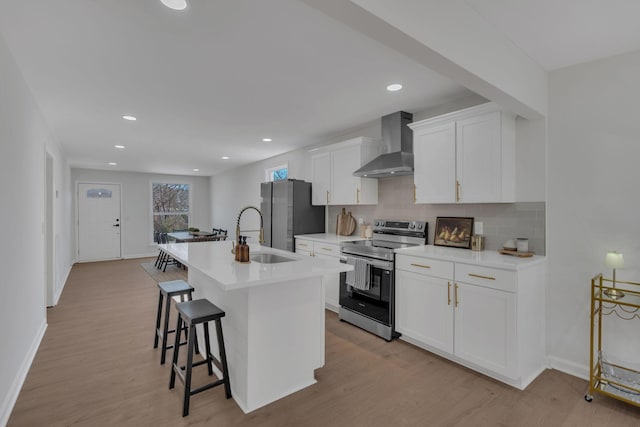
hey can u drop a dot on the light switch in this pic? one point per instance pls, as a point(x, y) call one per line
point(478, 228)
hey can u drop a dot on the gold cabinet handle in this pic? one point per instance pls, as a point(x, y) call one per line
point(327, 196)
point(420, 265)
point(457, 190)
point(303, 244)
point(448, 293)
point(482, 277)
point(326, 249)
point(455, 291)
point(357, 195)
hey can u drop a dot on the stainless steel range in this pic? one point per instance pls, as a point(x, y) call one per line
point(367, 294)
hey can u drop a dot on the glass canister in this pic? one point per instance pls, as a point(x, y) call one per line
point(477, 242)
point(522, 244)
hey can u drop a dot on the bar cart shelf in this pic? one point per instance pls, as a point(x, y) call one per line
point(612, 379)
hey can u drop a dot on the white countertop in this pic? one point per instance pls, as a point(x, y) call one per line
point(215, 260)
point(330, 237)
point(487, 258)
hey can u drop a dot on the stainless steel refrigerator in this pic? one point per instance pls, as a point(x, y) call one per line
point(287, 211)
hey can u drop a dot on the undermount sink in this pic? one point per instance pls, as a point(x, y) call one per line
point(269, 258)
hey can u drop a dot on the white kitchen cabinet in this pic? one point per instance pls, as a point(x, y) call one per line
point(321, 178)
point(333, 182)
point(423, 315)
point(328, 251)
point(485, 327)
point(486, 318)
point(465, 157)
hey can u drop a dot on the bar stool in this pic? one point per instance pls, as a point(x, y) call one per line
point(193, 313)
point(168, 290)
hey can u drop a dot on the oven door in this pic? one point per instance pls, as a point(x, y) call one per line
point(375, 302)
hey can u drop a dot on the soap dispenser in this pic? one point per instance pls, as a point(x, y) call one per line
point(245, 250)
point(238, 252)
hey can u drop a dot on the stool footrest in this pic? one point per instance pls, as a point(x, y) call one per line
point(206, 387)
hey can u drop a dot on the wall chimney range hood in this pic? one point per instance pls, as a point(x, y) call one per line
point(397, 139)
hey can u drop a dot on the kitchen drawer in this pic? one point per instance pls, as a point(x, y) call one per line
point(304, 245)
point(426, 266)
point(303, 252)
point(321, 248)
point(486, 276)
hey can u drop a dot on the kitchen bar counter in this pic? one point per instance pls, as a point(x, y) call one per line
point(214, 259)
point(330, 237)
point(274, 323)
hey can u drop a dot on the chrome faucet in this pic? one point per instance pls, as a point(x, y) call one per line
point(261, 238)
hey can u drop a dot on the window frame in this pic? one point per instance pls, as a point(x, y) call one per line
point(169, 182)
point(268, 173)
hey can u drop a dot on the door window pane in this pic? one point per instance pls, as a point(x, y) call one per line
point(101, 193)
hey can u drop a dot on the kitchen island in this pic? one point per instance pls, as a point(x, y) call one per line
point(274, 323)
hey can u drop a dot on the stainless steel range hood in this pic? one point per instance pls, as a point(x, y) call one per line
point(397, 139)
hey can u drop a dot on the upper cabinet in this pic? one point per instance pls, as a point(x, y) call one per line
point(333, 182)
point(465, 157)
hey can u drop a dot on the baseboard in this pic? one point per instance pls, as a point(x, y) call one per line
point(58, 293)
point(18, 382)
point(569, 367)
point(133, 256)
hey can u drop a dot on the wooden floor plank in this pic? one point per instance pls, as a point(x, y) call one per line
point(97, 367)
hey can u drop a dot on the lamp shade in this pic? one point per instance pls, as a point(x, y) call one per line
point(614, 260)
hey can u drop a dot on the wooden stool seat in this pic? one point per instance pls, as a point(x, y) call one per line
point(168, 290)
point(190, 314)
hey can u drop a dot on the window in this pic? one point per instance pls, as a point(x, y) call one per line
point(170, 207)
point(277, 173)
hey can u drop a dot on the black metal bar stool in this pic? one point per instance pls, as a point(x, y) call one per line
point(168, 290)
point(193, 313)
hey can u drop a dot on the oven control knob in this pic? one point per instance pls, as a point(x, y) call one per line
point(419, 226)
point(412, 225)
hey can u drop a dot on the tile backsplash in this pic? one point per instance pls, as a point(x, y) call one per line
point(501, 221)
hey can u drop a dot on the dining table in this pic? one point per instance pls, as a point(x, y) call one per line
point(194, 236)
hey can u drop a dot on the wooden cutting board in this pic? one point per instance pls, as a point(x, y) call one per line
point(516, 253)
point(345, 224)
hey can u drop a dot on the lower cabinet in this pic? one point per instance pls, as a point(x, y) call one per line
point(474, 316)
point(485, 327)
point(424, 309)
point(328, 251)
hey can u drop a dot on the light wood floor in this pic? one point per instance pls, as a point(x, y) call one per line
point(97, 367)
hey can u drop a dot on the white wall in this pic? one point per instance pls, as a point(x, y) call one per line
point(593, 203)
point(62, 221)
point(137, 233)
point(24, 139)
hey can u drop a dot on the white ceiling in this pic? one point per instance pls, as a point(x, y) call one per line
point(215, 79)
point(560, 33)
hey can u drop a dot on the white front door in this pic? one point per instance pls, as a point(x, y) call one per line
point(98, 221)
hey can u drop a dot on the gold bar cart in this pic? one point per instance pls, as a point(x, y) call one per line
point(613, 380)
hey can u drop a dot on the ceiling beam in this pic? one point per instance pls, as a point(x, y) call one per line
point(450, 38)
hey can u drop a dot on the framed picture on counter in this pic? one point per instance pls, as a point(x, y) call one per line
point(454, 232)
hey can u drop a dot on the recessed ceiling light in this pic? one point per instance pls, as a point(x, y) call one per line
point(267, 139)
point(196, 170)
point(225, 157)
point(175, 4)
point(130, 118)
point(119, 146)
point(113, 164)
point(394, 87)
